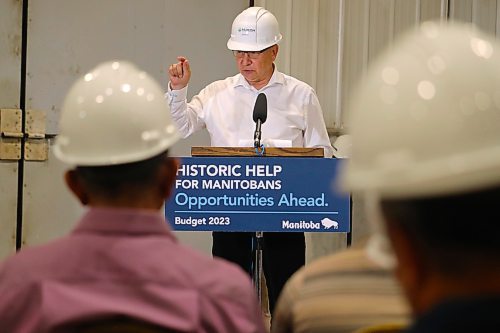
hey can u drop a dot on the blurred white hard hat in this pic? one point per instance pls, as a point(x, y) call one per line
point(254, 29)
point(114, 114)
point(426, 119)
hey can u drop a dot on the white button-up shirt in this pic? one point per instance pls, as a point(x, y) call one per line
point(225, 108)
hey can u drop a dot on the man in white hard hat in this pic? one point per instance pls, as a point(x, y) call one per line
point(225, 109)
point(122, 259)
point(425, 126)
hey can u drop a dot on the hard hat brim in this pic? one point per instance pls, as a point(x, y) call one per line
point(238, 46)
point(102, 160)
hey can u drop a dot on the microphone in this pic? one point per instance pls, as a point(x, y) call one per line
point(259, 116)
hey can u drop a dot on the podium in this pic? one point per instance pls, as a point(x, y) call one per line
point(293, 152)
point(250, 152)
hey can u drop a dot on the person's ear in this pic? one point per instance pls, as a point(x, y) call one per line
point(275, 50)
point(171, 165)
point(76, 187)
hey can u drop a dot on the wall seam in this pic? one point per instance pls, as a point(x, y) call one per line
point(22, 105)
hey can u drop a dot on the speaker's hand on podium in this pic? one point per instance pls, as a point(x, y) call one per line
point(179, 73)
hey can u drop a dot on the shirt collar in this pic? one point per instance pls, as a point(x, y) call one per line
point(276, 78)
point(123, 221)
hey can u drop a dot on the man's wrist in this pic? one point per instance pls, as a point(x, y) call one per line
point(177, 95)
point(177, 87)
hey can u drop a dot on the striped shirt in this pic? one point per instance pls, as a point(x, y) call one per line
point(339, 293)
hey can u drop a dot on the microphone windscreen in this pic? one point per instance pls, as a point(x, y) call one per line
point(260, 108)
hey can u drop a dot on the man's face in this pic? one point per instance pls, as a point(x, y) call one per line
point(257, 68)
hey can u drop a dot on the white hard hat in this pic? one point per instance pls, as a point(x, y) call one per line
point(426, 119)
point(114, 114)
point(254, 29)
point(342, 146)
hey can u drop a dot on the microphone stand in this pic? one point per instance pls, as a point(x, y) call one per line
point(257, 270)
point(258, 238)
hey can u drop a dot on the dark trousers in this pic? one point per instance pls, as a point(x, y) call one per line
point(283, 254)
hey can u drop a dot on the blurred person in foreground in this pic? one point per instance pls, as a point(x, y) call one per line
point(426, 153)
point(225, 109)
point(122, 258)
point(342, 292)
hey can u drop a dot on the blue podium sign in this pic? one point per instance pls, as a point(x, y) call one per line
point(258, 194)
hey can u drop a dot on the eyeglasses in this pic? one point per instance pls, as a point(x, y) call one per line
point(251, 54)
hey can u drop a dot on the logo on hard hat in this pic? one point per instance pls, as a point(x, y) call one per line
point(246, 30)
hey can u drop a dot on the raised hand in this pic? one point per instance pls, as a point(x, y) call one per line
point(179, 73)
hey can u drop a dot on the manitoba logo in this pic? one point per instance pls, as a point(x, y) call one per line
point(327, 223)
point(308, 225)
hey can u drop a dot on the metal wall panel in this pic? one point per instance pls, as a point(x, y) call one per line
point(68, 38)
point(10, 83)
point(50, 210)
point(10, 53)
point(484, 15)
point(405, 16)
point(433, 9)
point(355, 46)
point(365, 29)
point(498, 19)
point(381, 27)
point(329, 60)
point(461, 10)
point(8, 207)
point(304, 37)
